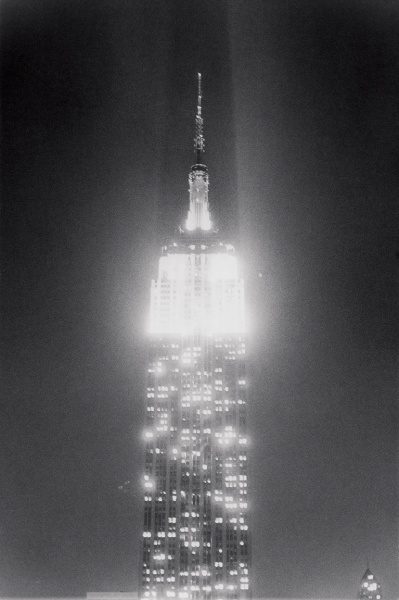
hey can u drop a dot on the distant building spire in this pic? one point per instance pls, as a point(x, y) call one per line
point(199, 141)
point(370, 589)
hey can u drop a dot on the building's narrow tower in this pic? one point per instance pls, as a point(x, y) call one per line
point(370, 589)
point(195, 538)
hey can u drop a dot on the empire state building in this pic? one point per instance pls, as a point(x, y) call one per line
point(195, 534)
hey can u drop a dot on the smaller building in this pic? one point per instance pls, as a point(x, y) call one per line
point(370, 589)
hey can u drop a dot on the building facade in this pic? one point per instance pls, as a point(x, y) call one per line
point(195, 537)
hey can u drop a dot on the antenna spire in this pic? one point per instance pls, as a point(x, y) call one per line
point(198, 214)
point(199, 141)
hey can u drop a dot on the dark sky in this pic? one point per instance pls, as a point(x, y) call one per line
point(301, 108)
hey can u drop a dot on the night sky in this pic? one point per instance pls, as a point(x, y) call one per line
point(301, 109)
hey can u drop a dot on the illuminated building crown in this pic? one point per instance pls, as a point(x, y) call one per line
point(198, 215)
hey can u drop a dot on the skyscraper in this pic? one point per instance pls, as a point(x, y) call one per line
point(195, 538)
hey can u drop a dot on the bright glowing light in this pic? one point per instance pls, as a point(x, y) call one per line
point(197, 293)
point(372, 586)
point(148, 483)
